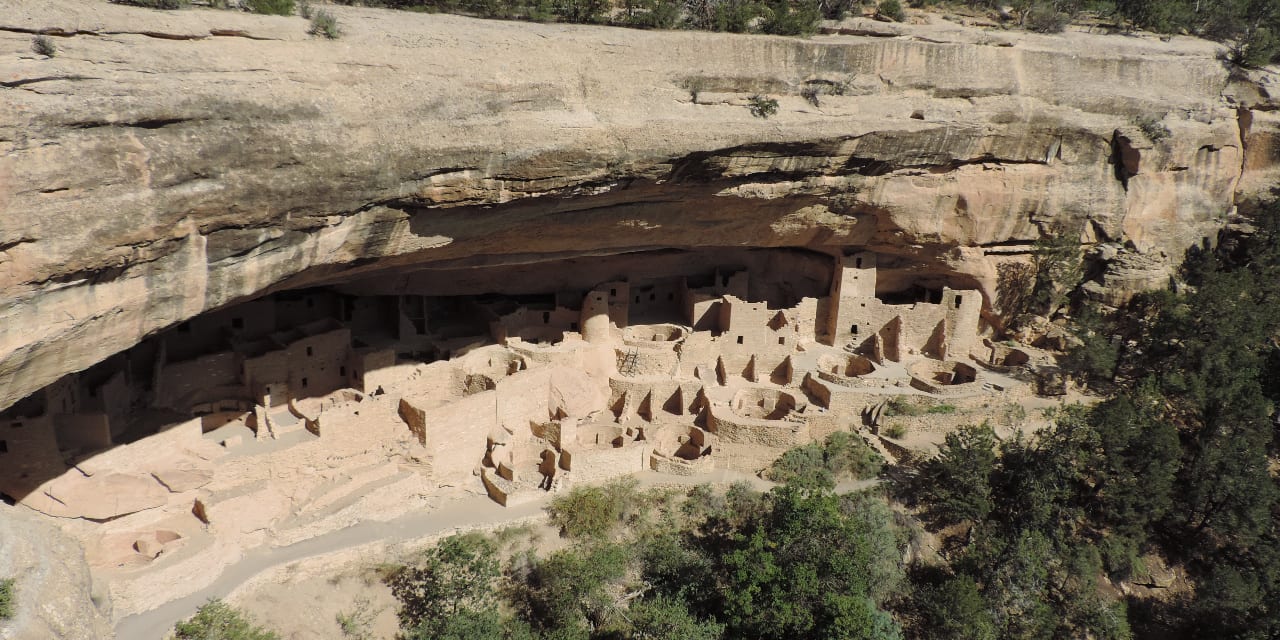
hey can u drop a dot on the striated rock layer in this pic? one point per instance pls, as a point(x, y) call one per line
point(168, 163)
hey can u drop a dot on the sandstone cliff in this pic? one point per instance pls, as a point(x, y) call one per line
point(168, 163)
point(53, 588)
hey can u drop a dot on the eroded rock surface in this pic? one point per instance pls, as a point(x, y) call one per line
point(53, 589)
point(168, 163)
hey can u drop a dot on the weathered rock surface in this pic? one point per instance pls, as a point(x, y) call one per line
point(167, 163)
point(53, 588)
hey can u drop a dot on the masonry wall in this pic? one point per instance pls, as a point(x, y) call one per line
point(537, 325)
point(757, 341)
point(318, 364)
point(62, 396)
point(456, 434)
point(599, 464)
point(732, 428)
point(29, 454)
point(208, 333)
point(298, 308)
point(369, 369)
point(658, 398)
point(619, 302)
point(82, 432)
point(184, 383)
point(659, 300)
point(270, 369)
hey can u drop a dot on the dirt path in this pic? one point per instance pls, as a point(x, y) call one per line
point(467, 513)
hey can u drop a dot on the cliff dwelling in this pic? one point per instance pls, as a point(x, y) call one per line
point(276, 414)
point(266, 294)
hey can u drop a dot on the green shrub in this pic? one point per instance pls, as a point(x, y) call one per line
point(895, 431)
point(694, 86)
point(574, 586)
point(324, 24)
point(812, 94)
point(664, 618)
point(44, 46)
point(902, 406)
point(734, 16)
point(784, 18)
point(304, 9)
point(1014, 414)
point(1045, 18)
point(271, 7)
point(8, 605)
point(761, 106)
point(802, 465)
point(941, 409)
point(215, 620)
point(455, 575)
point(580, 11)
point(843, 455)
point(1120, 556)
point(593, 511)
point(1256, 48)
point(1153, 128)
point(891, 9)
point(653, 14)
point(837, 9)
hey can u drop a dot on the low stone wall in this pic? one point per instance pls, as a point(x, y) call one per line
point(599, 464)
point(663, 463)
point(732, 428)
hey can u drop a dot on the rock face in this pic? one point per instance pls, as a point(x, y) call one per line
point(53, 588)
point(168, 163)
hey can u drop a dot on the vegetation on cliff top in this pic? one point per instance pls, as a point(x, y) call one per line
point(7, 601)
point(1250, 27)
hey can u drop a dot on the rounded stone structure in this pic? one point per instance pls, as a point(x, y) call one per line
point(850, 365)
point(942, 376)
point(651, 334)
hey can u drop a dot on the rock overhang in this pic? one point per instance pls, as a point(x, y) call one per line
point(149, 178)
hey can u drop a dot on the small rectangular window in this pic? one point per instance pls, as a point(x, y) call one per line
point(308, 351)
point(854, 329)
point(613, 293)
point(739, 339)
point(957, 302)
point(782, 340)
point(637, 299)
point(857, 263)
point(4, 446)
point(546, 317)
point(652, 297)
point(304, 383)
point(342, 371)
